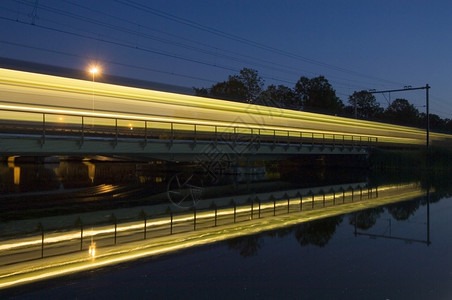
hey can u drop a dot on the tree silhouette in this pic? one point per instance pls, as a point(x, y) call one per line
point(247, 245)
point(365, 219)
point(317, 94)
point(245, 87)
point(318, 232)
point(401, 111)
point(279, 96)
point(364, 105)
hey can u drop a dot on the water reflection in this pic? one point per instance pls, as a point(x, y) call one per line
point(320, 232)
point(242, 212)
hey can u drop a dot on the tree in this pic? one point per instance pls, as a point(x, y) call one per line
point(202, 92)
point(435, 122)
point(252, 82)
point(317, 94)
point(244, 87)
point(232, 89)
point(401, 111)
point(364, 105)
point(279, 96)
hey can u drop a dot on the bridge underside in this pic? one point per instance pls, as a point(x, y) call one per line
point(176, 150)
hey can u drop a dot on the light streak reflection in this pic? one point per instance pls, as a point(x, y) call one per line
point(75, 262)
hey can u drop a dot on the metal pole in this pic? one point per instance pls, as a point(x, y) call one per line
point(427, 87)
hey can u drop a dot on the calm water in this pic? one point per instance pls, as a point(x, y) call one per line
point(399, 251)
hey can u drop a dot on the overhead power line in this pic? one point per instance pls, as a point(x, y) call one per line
point(160, 13)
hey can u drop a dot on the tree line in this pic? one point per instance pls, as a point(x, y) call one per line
point(317, 95)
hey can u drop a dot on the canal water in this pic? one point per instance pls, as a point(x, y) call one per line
point(395, 251)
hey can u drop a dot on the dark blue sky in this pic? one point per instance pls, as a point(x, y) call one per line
point(355, 44)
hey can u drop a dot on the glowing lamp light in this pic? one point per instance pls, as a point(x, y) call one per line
point(92, 250)
point(94, 70)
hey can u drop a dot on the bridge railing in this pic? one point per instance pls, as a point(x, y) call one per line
point(146, 129)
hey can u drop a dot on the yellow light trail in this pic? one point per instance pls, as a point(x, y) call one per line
point(44, 91)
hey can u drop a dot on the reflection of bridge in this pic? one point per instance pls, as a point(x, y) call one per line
point(54, 253)
point(49, 115)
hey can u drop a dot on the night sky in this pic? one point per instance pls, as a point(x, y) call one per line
point(355, 44)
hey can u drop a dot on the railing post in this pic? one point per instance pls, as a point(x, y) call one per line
point(195, 132)
point(41, 228)
point(145, 132)
point(274, 206)
point(288, 138)
point(83, 130)
point(171, 221)
point(115, 220)
point(235, 210)
point(259, 137)
point(145, 217)
point(301, 140)
point(79, 223)
point(117, 131)
point(259, 202)
point(194, 218)
point(43, 128)
point(216, 213)
point(172, 132)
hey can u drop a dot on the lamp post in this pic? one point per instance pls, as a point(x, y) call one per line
point(93, 70)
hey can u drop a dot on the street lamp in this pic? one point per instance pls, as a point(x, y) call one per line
point(93, 70)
